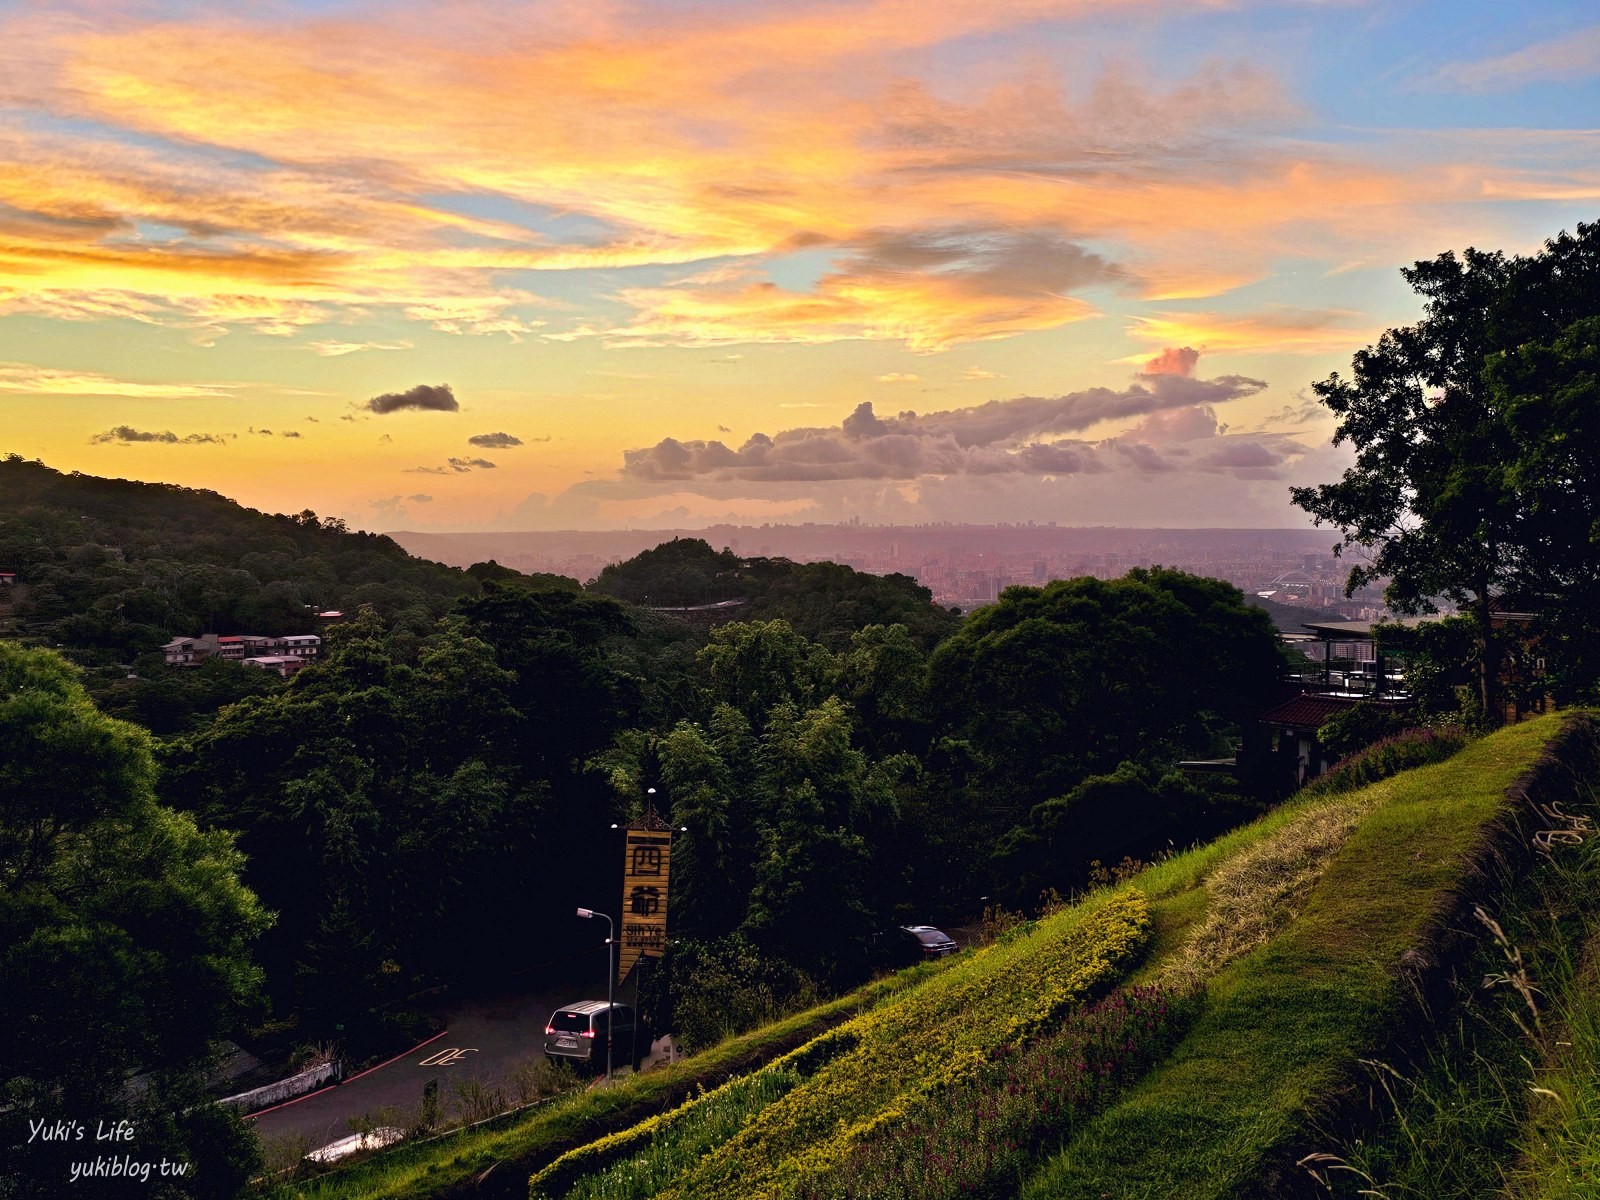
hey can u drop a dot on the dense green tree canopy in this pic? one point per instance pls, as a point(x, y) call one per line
point(125, 934)
point(1464, 427)
point(1548, 393)
point(826, 602)
point(1052, 684)
point(394, 794)
point(844, 756)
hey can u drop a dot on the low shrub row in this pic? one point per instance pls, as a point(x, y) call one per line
point(921, 1044)
point(980, 1137)
point(656, 1150)
point(676, 1145)
point(1393, 754)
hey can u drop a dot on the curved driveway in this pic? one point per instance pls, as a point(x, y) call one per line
point(485, 1039)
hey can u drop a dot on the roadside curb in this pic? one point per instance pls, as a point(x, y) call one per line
point(350, 1079)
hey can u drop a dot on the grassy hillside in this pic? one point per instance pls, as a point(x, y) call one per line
point(1196, 1031)
point(1234, 1108)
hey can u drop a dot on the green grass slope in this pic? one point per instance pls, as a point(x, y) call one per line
point(1235, 1105)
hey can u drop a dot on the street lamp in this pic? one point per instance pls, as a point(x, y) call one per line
point(611, 976)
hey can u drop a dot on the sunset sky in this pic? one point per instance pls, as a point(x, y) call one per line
point(579, 264)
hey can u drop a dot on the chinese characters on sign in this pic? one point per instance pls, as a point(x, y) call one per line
point(644, 896)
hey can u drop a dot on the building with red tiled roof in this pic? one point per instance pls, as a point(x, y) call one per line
point(1297, 720)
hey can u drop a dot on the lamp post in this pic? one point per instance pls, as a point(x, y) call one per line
point(611, 976)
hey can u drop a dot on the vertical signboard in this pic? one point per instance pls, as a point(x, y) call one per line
point(645, 865)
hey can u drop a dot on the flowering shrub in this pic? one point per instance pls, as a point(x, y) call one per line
point(980, 1137)
point(675, 1146)
point(667, 1138)
point(1401, 752)
point(880, 1068)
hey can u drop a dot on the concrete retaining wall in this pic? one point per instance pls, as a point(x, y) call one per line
point(285, 1089)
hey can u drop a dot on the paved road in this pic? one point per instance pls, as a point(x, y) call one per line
point(485, 1039)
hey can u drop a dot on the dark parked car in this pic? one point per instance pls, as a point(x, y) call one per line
point(579, 1033)
point(906, 945)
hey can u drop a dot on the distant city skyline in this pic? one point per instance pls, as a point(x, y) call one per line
point(963, 565)
point(542, 265)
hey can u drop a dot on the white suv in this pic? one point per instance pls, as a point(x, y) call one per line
point(578, 1034)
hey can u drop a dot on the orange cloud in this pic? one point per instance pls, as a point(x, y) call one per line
point(300, 164)
point(930, 291)
point(1173, 360)
point(1285, 331)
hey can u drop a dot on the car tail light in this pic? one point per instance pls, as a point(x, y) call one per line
point(588, 1033)
point(549, 1030)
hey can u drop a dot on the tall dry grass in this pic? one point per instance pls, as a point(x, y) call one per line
point(1261, 889)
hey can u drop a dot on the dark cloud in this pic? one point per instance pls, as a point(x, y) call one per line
point(1303, 411)
point(420, 498)
point(427, 396)
point(997, 437)
point(294, 433)
point(985, 260)
point(313, 420)
point(494, 441)
point(1140, 455)
point(1251, 453)
point(471, 464)
point(426, 471)
point(126, 434)
point(1060, 458)
point(1179, 425)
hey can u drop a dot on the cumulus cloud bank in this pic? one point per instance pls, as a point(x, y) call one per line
point(1001, 436)
point(426, 396)
point(494, 441)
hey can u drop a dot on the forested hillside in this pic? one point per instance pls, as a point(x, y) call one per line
point(822, 600)
point(455, 762)
point(119, 566)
